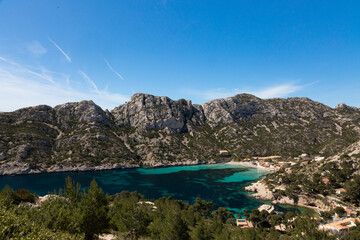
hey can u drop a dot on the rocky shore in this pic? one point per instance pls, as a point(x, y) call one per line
point(261, 190)
point(20, 168)
point(264, 193)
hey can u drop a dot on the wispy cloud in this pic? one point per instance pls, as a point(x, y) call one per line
point(59, 48)
point(36, 48)
point(278, 91)
point(113, 70)
point(42, 74)
point(89, 81)
point(22, 87)
point(282, 90)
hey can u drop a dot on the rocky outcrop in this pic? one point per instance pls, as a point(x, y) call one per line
point(304, 201)
point(150, 112)
point(245, 106)
point(159, 131)
point(18, 168)
point(344, 107)
point(261, 190)
point(84, 111)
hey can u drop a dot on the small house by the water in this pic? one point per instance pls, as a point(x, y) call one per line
point(224, 153)
point(243, 223)
point(340, 190)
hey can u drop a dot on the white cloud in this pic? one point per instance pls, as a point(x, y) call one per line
point(278, 91)
point(22, 87)
point(270, 92)
point(62, 51)
point(36, 48)
point(111, 68)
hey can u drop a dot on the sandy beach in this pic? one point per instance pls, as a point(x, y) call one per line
point(248, 164)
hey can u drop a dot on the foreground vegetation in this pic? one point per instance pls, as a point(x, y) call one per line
point(73, 213)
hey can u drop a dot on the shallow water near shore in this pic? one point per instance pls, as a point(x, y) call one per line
point(223, 184)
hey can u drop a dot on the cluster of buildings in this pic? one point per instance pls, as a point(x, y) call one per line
point(339, 227)
point(349, 211)
point(340, 224)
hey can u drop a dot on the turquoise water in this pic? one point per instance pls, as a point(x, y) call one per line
point(223, 184)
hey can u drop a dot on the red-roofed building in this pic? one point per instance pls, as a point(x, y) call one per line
point(339, 226)
point(340, 190)
point(350, 212)
point(325, 180)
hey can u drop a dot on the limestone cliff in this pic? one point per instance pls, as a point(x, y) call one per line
point(159, 131)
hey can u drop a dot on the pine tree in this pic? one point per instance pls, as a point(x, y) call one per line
point(93, 212)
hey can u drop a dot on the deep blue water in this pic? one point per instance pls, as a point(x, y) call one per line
point(223, 184)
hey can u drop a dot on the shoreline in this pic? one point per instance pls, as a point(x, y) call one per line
point(16, 169)
point(260, 191)
point(248, 164)
point(259, 188)
point(27, 169)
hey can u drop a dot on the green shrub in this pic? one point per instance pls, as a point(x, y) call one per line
point(15, 226)
point(24, 195)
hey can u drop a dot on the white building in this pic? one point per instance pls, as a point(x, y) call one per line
point(339, 227)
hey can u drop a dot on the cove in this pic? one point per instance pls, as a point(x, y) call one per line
point(223, 184)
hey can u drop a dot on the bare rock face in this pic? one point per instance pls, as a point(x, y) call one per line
point(16, 167)
point(344, 107)
point(84, 111)
point(231, 109)
point(21, 151)
point(41, 113)
point(244, 106)
point(2, 156)
point(148, 112)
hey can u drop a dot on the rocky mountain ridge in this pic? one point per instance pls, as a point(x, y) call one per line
point(158, 131)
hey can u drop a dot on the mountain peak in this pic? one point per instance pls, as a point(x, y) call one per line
point(343, 106)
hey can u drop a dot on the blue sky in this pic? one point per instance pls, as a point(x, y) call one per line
point(52, 52)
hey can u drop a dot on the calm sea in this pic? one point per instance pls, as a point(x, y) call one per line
point(223, 184)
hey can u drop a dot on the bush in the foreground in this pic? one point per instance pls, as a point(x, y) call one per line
point(14, 226)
